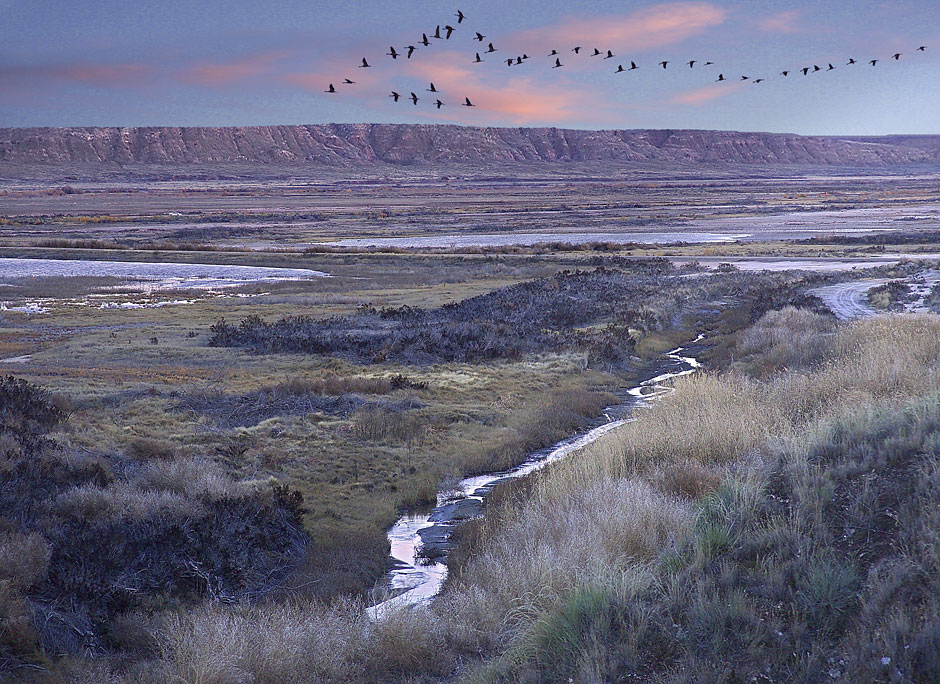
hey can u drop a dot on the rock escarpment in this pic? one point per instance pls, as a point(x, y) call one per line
point(409, 144)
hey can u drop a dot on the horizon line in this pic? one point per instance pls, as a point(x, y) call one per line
point(458, 125)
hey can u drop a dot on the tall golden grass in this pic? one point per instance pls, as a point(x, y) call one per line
point(709, 427)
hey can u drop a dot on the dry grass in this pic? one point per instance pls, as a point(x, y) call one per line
point(715, 419)
point(147, 449)
point(18, 635)
point(383, 425)
point(551, 568)
point(306, 643)
point(550, 419)
point(787, 339)
point(192, 478)
point(24, 558)
point(176, 489)
point(551, 547)
point(124, 502)
point(337, 385)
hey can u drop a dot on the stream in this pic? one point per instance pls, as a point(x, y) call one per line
point(420, 541)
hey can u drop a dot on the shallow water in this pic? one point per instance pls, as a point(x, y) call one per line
point(27, 308)
point(723, 231)
point(514, 238)
point(824, 264)
point(156, 276)
point(413, 582)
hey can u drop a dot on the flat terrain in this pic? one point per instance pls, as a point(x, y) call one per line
point(429, 209)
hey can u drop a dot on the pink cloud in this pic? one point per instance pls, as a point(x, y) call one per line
point(102, 75)
point(500, 95)
point(784, 22)
point(224, 73)
point(517, 95)
point(701, 96)
point(334, 71)
point(512, 99)
point(651, 27)
point(108, 74)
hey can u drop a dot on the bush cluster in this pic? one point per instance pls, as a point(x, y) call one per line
point(601, 311)
point(87, 538)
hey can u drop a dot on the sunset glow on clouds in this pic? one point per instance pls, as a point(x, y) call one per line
point(652, 27)
point(783, 22)
point(702, 96)
point(519, 95)
point(515, 98)
point(279, 72)
point(119, 75)
point(215, 73)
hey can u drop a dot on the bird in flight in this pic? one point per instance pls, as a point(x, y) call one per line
point(414, 99)
point(758, 80)
point(479, 37)
point(816, 68)
point(346, 81)
point(490, 48)
point(477, 60)
point(424, 40)
point(460, 16)
point(609, 55)
point(395, 96)
point(721, 77)
point(553, 53)
point(692, 64)
point(330, 90)
point(509, 62)
point(784, 73)
point(831, 68)
point(922, 48)
point(518, 60)
point(449, 29)
point(708, 63)
point(576, 50)
point(438, 103)
point(411, 50)
point(663, 64)
point(620, 68)
point(633, 66)
point(596, 52)
point(851, 61)
point(873, 62)
point(365, 64)
point(805, 70)
point(745, 78)
point(432, 89)
point(468, 103)
point(437, 32)
point(557, 63)
point(896, 56)
point(393, 54)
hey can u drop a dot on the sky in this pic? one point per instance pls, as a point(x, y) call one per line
point(245, 63)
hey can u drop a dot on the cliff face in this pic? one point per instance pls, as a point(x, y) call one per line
point(364, 144)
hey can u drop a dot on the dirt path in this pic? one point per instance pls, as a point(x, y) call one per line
point(849, 300)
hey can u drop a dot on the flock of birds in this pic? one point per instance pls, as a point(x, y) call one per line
point(426, 41)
